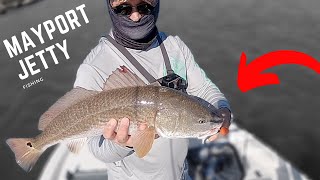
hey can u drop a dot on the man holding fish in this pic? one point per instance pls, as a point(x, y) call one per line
point(138, 96)
point(134, 27)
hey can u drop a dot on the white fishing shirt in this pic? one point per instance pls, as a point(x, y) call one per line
point(165, 161)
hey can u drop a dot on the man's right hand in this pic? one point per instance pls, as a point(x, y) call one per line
point(122, 136)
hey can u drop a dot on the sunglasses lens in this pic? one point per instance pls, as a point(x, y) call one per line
point(126, 9)
point(145, 9)
point(123, 10)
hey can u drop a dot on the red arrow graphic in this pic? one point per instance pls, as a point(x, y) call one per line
point(250, 76)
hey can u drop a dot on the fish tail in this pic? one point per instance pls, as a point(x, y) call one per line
point(26, 154)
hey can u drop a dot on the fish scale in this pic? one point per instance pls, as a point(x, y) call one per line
point(81, 117)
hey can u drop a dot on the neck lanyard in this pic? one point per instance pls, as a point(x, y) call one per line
point(137, 65)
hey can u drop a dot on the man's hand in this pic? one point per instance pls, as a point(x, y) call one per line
point(224, 130)
point(120, 137)
point(226, 115)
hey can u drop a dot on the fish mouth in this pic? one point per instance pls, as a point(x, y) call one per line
point(208, 133)
point(205, 134)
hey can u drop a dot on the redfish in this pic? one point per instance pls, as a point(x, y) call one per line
point(81, 113)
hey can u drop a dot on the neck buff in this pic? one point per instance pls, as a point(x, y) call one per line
point(135, 35)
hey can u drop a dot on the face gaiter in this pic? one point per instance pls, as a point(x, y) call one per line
point(135, 35)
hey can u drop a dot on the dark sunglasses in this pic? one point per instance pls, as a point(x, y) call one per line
point(126, 9)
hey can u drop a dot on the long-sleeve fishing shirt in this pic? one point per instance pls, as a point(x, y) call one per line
point(166, 158)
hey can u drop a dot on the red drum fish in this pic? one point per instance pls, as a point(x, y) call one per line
point(81, 113)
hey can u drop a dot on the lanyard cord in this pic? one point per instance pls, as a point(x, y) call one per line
point(165, 56)
point(137, 65)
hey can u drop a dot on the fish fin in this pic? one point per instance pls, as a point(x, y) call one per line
point(26, 155)
point(143, 140)
point(72, 97)
point(122, 77)
point(75, 145)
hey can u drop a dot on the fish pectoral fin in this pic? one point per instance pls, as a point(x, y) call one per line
point(75, 145)
point(142, 141)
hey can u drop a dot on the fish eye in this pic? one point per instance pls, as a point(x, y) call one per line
point(201, 121)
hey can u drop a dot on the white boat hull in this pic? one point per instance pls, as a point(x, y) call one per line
point(259, 161)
